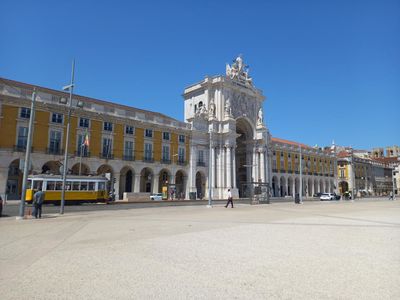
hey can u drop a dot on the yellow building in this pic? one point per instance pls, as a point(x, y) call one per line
point(318, 169)
point(144, 151)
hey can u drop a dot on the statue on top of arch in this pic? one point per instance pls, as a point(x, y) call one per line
point(239, 71)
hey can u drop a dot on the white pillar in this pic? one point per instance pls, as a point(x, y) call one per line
point(262, 166)
point(212, 179)
point(234, 167)
point(155, 179)
point(116, 185)
point(136, 187)
point(228, 167)
point(219, 169)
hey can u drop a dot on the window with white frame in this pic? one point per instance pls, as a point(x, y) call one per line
point(84, 122)
point(165, 153)
point(129, 129)
point(166, 136)
point(81, 148)
point(148, 133)
point(200, 156)
point(22, 137)
point(128, 150)
point(148, 151)
point(55, 142)
point(181, 138)
point(57, 118)
point(181, 155)
point(25, 113)
point(107, 147)
point(108, 126)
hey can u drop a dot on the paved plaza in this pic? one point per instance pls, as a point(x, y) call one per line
point(318, 250)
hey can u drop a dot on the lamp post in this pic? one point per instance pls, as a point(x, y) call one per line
point(69, 88)
point(27, 157)
point(301, 177)
point(210, 179)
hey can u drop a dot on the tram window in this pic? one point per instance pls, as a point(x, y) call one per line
point(84, 186)
point(51, 185)
point(37, 184)
point(91, 186)
point(58, 185)
point(101, 186)
point(29, 186)
point(75, 186)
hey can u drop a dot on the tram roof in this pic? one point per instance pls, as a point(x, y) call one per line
point(69, 177)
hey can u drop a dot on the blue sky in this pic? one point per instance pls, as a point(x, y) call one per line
point(329, 69)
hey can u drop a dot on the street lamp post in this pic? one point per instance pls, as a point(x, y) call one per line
point(301, 177)
point(69, 88)
point(210, 180)
point(27, 156)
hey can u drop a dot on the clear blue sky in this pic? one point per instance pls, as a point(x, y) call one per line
point(329, 69)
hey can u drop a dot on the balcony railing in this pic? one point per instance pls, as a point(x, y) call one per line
point(165, 161)
point(201, 164)
point(106, 156)
point(128, 157)
point(54, 151)
point(181, 162)
point(84, 153)
point(20, 148)
point(275, 170)
point(148, 159)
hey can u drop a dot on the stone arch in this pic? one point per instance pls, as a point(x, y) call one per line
point(180, 183)
point(146, 180)
point(51, 167)
point(343, 187)
point(126, 181)
point(282, 187)
point(290, 186)
point(164, 180)
point(14, 180)
point(85, 170)
point(275, 187)
point(243, 155)
point(200, 185)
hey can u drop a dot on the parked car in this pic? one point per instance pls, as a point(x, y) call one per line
point(327, 196)
point(317, 195)
point(156, 197)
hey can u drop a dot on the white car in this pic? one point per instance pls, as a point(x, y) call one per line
point(327, 196)
point(156, 197)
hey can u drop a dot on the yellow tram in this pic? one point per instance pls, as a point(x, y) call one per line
point(78, 189)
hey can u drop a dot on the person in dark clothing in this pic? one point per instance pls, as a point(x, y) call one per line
point(230, 199)
point(1, 206)
point(38, 199)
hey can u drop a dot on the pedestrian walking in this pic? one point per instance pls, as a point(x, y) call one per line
point(1, 206)
point(38, 199)
point(230, 199)
point(391, 196)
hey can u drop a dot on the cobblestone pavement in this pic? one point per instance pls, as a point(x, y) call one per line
point(318, 250)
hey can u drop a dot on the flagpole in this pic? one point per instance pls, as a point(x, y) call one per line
point(80, 160)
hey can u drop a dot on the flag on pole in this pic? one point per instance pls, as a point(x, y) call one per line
point(86, 139)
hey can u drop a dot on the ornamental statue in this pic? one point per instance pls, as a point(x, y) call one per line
point(239, 71)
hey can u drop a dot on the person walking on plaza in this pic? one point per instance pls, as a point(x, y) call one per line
point(38, 199)
point(391, 196)
point(230, 200)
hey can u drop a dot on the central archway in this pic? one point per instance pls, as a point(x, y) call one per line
point(243, 156)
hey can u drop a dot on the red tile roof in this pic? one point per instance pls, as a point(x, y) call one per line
point(278, 140)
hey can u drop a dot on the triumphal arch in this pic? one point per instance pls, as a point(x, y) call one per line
point(229, 148)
